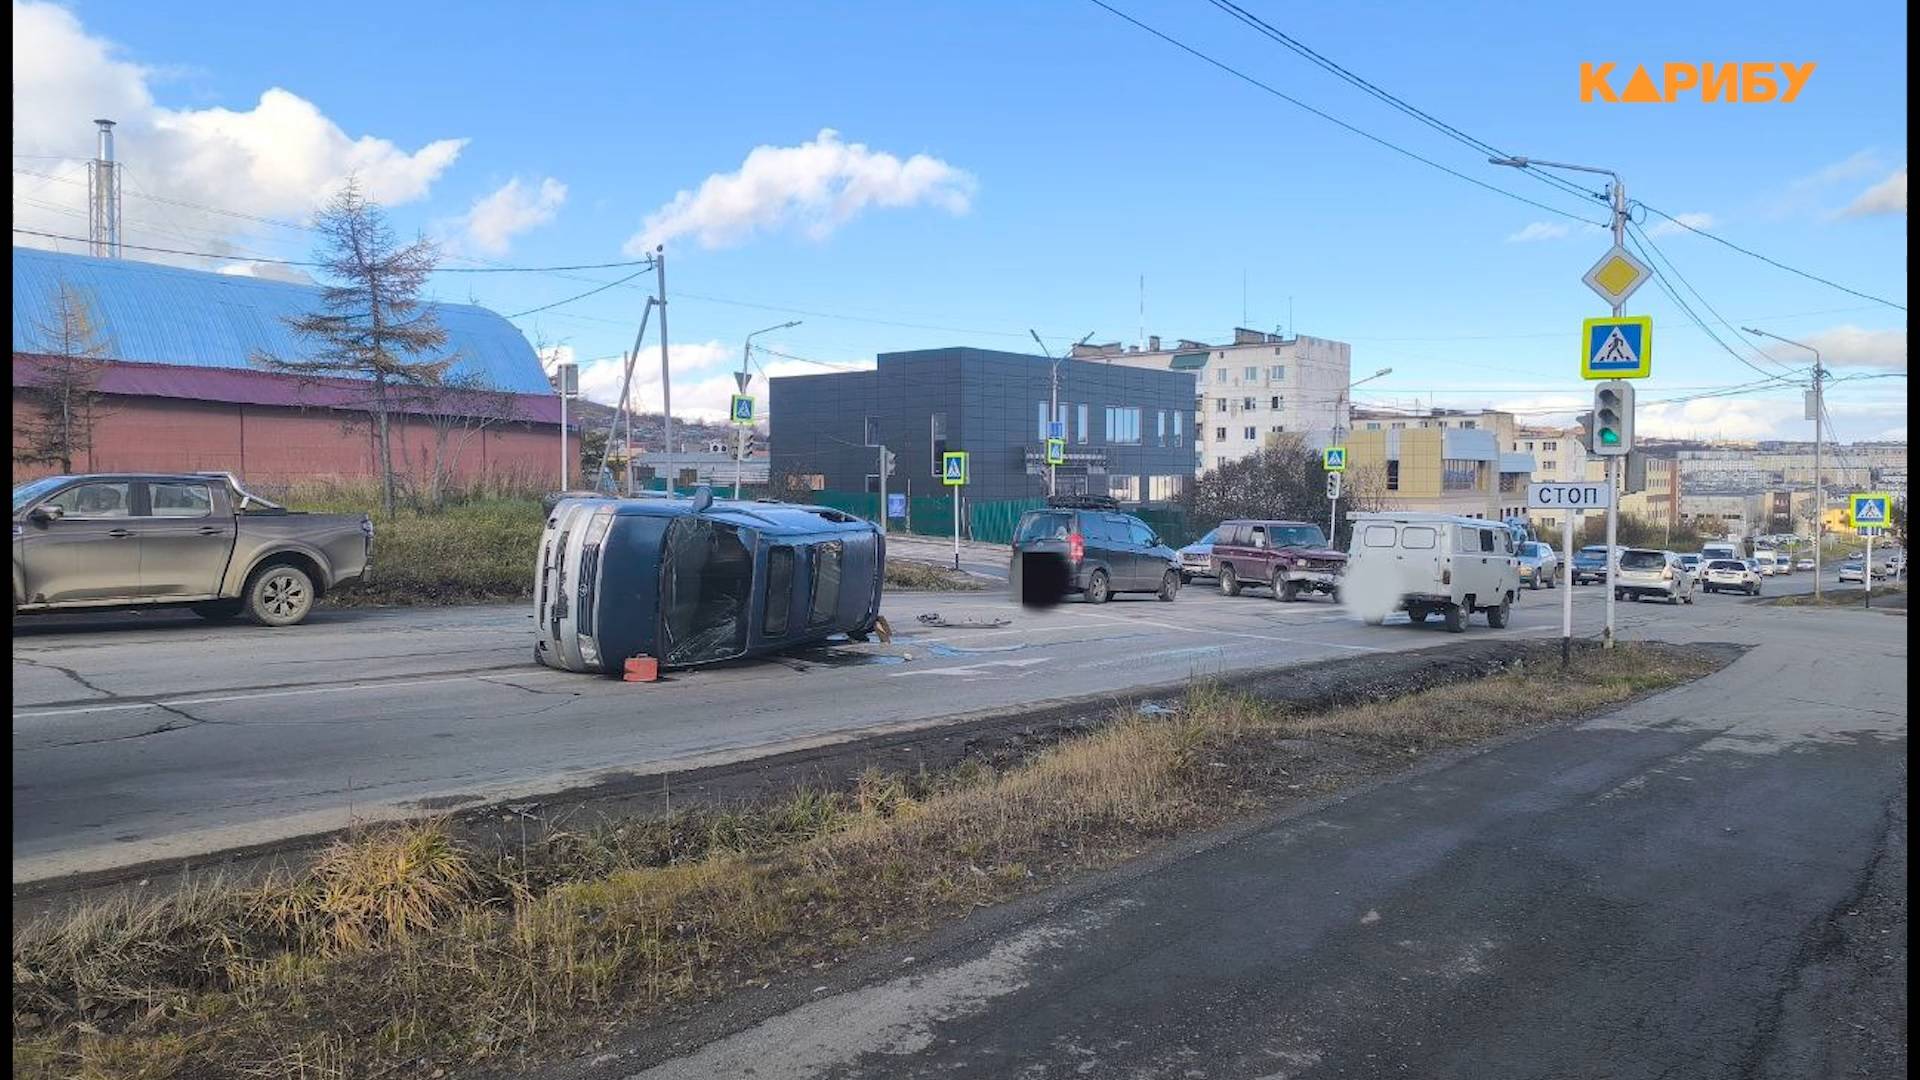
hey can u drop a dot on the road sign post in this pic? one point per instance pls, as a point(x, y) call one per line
point(1334, 460)
point(740, 409)
point(1869, 513)
point(953, 473)
point(1571, 498)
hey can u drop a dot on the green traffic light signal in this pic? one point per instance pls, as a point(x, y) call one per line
point(1609, 436)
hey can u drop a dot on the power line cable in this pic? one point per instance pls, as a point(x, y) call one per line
point(1250, 80)
point(1647, 239)
point(1479, 145)
point(582, 296)
point(1660, 279)
point(1765, 259)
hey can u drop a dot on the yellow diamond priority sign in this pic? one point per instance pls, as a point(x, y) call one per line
point(1617, 275)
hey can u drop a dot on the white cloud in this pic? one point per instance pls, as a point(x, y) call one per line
point(1539, 230)
point(1847, 346)
point(1697, 220)
point(1889, 196)
point(512, 209)
point(1852, 167)
point(817, 186)
point(703, 376)
point(1721, 418)
point(282, 158)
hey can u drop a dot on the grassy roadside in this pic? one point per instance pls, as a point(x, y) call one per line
point(401, 953)
point(902, 574)
point(1893, 596)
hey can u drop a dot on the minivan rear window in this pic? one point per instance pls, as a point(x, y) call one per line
point(1043, 527)
point(1419, 537)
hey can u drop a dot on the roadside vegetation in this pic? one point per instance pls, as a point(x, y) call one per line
point(402, 952)
point(1892, 596)
point(915, 575)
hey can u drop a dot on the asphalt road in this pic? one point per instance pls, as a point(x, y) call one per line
point(1706, 883)
point(160, 736)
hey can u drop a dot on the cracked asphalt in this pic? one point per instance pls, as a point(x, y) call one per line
point(1706, 883)
point(157, 736)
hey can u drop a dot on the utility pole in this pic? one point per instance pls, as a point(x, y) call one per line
point(1619, 202)
point(1816, 405)
point(1339, 431)
point(740, 435)
point(666, 384)
point(1053, 403)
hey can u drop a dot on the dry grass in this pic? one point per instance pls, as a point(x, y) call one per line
point(399, 953)
point(913, 575)
point(1894, 594)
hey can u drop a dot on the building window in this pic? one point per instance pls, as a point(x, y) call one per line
point(1123, 426)
point(873, 483)
point(1221, 405)
point(1250, 404)
point(1279, 429)
point(938, 436)
point(1220, 434)
point(1253, 374)
point(1549, 446)
point(1393, 476)
point(1279, 403)
point(1160, 426)
point(1399, 424)
point(1547, 466)
point(1253, 432)
point(1178, 439)
point(1466, 423)
point(873, 432)
point(1083, 423)
point(1041, 416)
point(1220, 375)
point(1459, 475)
point(1166, 488)
point(1123, 488)
point(1373, 425)
point(1278, 372)
point(1220, 462)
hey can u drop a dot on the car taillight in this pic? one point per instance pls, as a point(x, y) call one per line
point(1666, 574)
point(1076, 547)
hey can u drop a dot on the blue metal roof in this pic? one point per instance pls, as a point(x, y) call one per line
point(153, 314)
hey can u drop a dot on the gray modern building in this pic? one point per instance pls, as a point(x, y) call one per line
point(1129, 431)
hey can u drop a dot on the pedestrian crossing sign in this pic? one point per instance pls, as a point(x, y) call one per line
point(1056, 451)
point(742, 409)
point(1617, 347)
point(1870, 511)
point(953, 468)
point(1334, 459)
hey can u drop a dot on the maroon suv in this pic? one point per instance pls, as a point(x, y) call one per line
point(1290, 557)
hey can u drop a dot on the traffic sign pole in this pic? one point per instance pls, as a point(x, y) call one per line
point(1866, 571)
point(1566, 590)
point(1613, 463)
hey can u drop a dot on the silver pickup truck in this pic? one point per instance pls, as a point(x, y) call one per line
point(192, 539)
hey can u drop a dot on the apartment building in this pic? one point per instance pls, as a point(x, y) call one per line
point(1246, 391)
point(1453, 470)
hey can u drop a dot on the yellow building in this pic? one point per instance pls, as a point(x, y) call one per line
point(1438, 470)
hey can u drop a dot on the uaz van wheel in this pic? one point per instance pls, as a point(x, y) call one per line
point(1229, 585)
point(1497, 617)
point(1456, 619)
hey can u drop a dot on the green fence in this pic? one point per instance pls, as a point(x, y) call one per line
point(990, 521)
point(993, 522)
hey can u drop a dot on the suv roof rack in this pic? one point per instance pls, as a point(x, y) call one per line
point(1083, 502)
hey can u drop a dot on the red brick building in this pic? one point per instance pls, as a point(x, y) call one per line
point(180, 390)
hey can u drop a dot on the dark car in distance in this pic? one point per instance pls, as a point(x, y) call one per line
point(1105, 551)
point(1289, 557)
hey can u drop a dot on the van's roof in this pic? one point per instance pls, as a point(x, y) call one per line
point(786, 518)
point(1424, 518)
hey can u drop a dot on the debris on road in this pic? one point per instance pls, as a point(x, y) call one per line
point(933, 618)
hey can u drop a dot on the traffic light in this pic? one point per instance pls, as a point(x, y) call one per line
point(1613, 418)
point(752, 444)
point(886, 462)
point(1333, 485)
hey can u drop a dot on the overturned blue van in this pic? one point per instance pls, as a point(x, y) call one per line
point(693, 581)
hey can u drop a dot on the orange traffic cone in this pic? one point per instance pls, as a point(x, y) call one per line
point(642, 669)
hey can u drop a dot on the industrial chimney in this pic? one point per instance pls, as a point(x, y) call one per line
point(103, 197)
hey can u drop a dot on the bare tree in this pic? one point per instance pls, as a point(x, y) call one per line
point(456, 408)
point(372, 326)
point(1284, 480)
point(62, 398)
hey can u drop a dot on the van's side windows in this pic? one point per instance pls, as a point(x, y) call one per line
point(779, 589)
point(826, 581)
point(1418, 537)
point(1377, 536)
point(1486, 540)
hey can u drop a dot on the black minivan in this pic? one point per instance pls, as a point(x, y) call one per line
point(1105, 551)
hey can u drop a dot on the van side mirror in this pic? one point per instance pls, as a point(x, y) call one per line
point(46, 514)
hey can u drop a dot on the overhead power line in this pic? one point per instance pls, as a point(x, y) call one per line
point(584, 295)
point(1330, 118)
point(1660, 279)
point(1644, 238)
point(1768, 261)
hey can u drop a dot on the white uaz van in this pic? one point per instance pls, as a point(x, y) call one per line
point(1428, 564)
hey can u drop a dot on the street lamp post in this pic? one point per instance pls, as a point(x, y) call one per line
point(1339, 406)
point(1819, 473)
point(1053, 404)
point(1619, 203)
point(740, 436)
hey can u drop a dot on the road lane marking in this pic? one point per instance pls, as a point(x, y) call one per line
point(165, 702)
point(972, 669)
point(1242, 634)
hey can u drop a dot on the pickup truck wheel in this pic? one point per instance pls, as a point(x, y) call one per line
point(1456, 618)
point(1169, 586)
point(1285, 590)
point(1497, 616)
point(1229, 585)
point(1098, 590)
point(279, 595)
point(217, 610)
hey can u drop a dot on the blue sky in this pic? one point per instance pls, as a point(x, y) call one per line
point(1066, 154)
